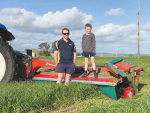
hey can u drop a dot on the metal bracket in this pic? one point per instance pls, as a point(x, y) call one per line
point(1, 39)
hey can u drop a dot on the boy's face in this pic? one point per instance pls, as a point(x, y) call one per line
point(88, 30)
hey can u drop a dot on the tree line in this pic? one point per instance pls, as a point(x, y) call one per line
point(44, 49)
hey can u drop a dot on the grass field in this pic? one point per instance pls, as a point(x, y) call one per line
point(27, 96)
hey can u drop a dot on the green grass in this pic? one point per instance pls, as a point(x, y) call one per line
point(28, 96)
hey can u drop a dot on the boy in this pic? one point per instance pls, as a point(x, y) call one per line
point(88, 47)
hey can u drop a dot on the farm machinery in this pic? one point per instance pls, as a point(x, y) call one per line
point(117, 78)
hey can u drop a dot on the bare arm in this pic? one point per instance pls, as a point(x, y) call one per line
point(56, 57)
point(74, 57)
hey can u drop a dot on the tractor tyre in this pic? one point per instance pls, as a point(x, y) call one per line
point(7, 63)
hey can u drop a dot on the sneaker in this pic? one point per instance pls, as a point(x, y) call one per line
point(95, 75)
point(84, 75)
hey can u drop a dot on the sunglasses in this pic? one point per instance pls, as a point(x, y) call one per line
point(65, 33)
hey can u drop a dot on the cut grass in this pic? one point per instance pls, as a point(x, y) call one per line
point(27, 96)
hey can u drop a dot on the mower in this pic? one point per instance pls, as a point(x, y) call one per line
point(117, 78)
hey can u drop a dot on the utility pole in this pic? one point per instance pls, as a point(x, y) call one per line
point(138, 55)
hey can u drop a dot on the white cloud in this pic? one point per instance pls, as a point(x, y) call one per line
point(32, 40)
point(110, 38)
point(27, 21)
point(115, 12)
point(111, 29)
point(146, 27)
point(31, 29)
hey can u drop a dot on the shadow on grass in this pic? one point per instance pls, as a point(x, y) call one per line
point(113, 75)
point(140, 86)
point(99, 70)
point(16, 78)
point(90, 72)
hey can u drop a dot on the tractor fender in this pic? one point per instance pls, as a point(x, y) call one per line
point(5, 34)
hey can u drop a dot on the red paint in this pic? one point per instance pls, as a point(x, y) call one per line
point(112, 71)
point(98, 68)
point(90, 68)
point(74, 76)
point(122, 64)
point(128, 92)
point(136, 71)
point(38, 63)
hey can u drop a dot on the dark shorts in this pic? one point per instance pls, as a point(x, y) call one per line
point(92, 53)
point(68, 68)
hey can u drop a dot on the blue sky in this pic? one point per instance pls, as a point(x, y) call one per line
point(95, 7)
point(114, 22)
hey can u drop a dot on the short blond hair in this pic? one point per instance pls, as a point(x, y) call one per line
point(65, 29)
point(88, 25)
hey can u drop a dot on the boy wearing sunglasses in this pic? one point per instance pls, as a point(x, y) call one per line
point(88, 47)
point(65, 57)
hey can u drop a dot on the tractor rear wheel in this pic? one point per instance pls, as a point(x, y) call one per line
point(7, 63)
